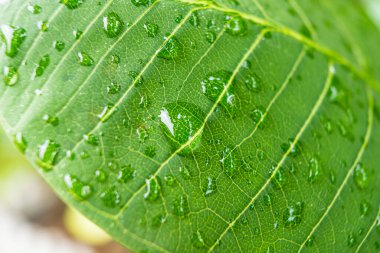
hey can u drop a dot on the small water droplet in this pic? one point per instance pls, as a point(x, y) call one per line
point(113, 88)
point(41, 66)
point(181, 206)
point(150, 151)
point(151, 29)
point(180, 122)
point(194, 19)
point(77, 34)
point(198, 240)
point(139, 3)
point(361, 176)
point(112, 24)
point(43, 25)
point(52, 120)
point(185, 172)
point(101, 175)
point(59, 45)
point(142, 133)
point(364, 207)
point(84, 155)
point(294, 148)
point(210, 36)
point(236, 26)
point(135, 75)
point(115, 59)
point(20, 142)
point(309, 241)
point(257, 115)
point(10, 77)
point(170, 180)
point(170, 50)
point(267, 200)
point(314, 169)
point(91, 139)
point(78, 188)
point(351, 240)
point(279, 178)
point(13, 37)
point(85, 59)
point(71, 4)
point(110, 197)
point(47, 154)
point(210, 186)
point(34, 8)
point(153, 189)
point(253, 83)
point(158, 220)
point(292, 215)
point(229, 162)
point(126, 173)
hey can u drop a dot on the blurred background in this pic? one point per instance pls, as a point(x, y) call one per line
point(34, 220)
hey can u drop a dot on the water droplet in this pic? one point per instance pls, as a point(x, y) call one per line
point(10, 77)
point(180, 122)
point(77, 34)
point(47, 154)
point(59, 45)
point(142, 133)
point(313, 169)
point(13, 37)
point(110, 197)
point(184, 171)
point(294, 148)
point(151, 29)
point(150, 151)
point(53, 120)
point(292, 215)
point(84, 155)
point(43, 26)
point(113, 88)
point(112, 24)
point(91, 139)
point(236, 25)
point(178, 19)
point(229, 162)
point(210, 186)
point(338, 94)
point(267, 200)
point(198, 240)
point(351, 240)
point(20, 142)
point(170, 180)
point(257, 115)
point(210, 36)
point(78, 188)
point(139, 3)
point(170, 50)
point(158, 220)
point(115, 59)
point(70, 155)
point(135, 75)
point(213, 86)
point(153, 189)
point(71, 4)
point(253, 83)
point(309, 241)
point(41, 66)
point(279, 178)
point(361, 176)
point(126, 174)
point(85, 59)
point(101, 175)
point(181, 206)
point(34, 8)
point(364, 207)
point(194, 19)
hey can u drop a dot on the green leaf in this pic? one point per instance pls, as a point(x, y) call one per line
point(199, 126)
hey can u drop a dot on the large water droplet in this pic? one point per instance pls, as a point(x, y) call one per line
point(112, 24)
point(180, 122)
point(10, 77)
point(361, 176)
point(85, 59)
point(13, 37)
point(236, 26)
point(47, 154)
point(77, 187)
point(181, 206)
point(170, 50)
point(292, 215)
point(151, 29)
point(213, 86)
point(153, 189)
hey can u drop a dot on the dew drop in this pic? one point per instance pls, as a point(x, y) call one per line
point(184, 171)
point(43, 26)
point(235, 26)
point(10, 77)
point(150, 151)
point(351, 240)
point(142, 133)
point(292, 215)
point(139, 3)
point(78, 188)
point(52, 120)
point(138, 81)
point(314, 168)
point(151, 29)
point(180, 122)
point(126, 174)
point(153, 189)
point(170, 180)
point(253, 83)
point(210, 186)
point(115, 59)
point(85, 59)
point(309, 241)
point(59, 45)
point(113, 88)
point(267, 200)
point(110, 197)
point(210, 36)
point(213, 86)
point(101, 175)
point(112, 24)
point(20, 142)
point(91, 139)
point(361, 176)
point(34, 8)
point(47, 154)
point(181, 206)
point(294, 148)
point(279, 178)
point(364, 207)
point(77, 34)
point(170, 50)
point(13, 37)
point(194, 19)
point(158, 220)
point(257, 115)
point(198, 240)
point(229, 162)
point(71, 4)
point(41, 66)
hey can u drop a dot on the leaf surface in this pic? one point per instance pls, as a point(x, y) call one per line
point(199, 126)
